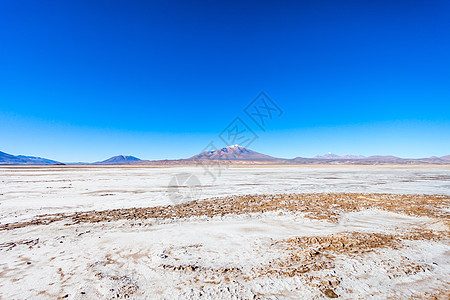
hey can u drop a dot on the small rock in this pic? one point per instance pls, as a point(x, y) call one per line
point(330, 293)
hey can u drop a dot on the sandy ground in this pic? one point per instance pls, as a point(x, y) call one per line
point(288, 245)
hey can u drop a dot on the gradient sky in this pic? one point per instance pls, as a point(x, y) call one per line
point(86, 80)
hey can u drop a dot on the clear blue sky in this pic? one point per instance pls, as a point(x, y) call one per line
point(86, 80)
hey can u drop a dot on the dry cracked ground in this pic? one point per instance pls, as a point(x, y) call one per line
point(285, 246)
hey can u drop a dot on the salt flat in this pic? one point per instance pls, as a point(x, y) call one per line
point(284, 246)
point(29, 191)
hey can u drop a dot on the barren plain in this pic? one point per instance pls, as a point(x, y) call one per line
point(246, 233)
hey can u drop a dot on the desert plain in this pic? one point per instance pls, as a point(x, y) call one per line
point(266, 232)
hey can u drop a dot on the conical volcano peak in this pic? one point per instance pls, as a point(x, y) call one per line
point(233, 152)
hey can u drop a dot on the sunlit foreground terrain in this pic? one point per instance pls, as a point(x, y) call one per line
point(84, 233)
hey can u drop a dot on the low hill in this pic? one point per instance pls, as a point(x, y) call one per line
point(9, 159)
point(119, 160)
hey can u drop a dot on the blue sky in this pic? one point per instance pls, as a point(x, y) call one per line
point(86, 80)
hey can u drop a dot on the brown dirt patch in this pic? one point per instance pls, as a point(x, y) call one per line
point(323, 206)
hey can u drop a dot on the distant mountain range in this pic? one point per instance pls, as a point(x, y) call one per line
point(330, 155)
point(238, 155)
